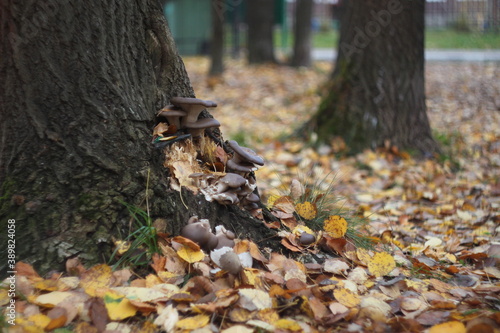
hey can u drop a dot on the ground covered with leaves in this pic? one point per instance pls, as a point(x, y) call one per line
point(381, 242)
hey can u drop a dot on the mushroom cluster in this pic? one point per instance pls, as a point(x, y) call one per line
point(244, 160)
point(228, 189)
point(199, 231)
point(183, 115)
point(238, 185)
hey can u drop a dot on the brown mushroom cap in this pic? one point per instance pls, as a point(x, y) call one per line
point(196, 129)
point(245, 154)
point(197, 232)
point(193, 107)
point(230, 180)
point(252, 197)
point(226, 198)
point(245, 168)
point(306, 239)
point(225, 237)
point(172, 114)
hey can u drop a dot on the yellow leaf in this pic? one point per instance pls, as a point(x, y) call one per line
point(298, 230)
point(96, 279)
point(118, 306)
point(336, 226)
point(346, 297)
point(50, 300)
point(189, 255)
point(193, 323)
point(448, 327)
point(152, 280)
point(306, 210)
point(381, 264)
point(47, 285)
point(39, 320)
point(288, 324)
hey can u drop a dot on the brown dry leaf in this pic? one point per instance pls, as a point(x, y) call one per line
point(160, 129)
point(58, 318)
point(98, 313)
point(186, 242)
point(285, 204)
point(158, 263)
point(24, 269)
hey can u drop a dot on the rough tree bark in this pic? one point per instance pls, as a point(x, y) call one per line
point(217, 41)
point(260, 20)
point(376, 92)
point(81, 83)
point(303, 34)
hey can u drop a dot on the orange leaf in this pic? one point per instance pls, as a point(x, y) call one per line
point(158, 263)
point(186, 242)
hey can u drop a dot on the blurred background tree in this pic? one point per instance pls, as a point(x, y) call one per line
point(260, 20)
point(302, 45)
point(376, 95)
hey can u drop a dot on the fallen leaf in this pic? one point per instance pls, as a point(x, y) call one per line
point(306, 210)
point(448, 327)
point(335, 226)
point(118, 306)
point(381, 264)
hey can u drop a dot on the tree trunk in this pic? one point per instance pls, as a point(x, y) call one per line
point(260, 19)
point(217, 42)
point(80, 86)
point(303, 33)
point(376, 92)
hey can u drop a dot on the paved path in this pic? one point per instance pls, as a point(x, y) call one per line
point(430, 55)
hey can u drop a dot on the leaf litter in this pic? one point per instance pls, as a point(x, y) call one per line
point(432, 227)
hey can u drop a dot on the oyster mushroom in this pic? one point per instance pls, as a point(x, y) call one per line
point(193, 107)
point(173, 115)
point(250, 202)
point(244, 159)
point(224, 236)
point(244, 154)
point(199, 232)
point(197, 128)
point(230, 180)
point(226, 198)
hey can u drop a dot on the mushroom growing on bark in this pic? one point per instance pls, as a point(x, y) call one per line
point(199, 232)
point(197, 128)
point(250, 201)
point(193, 107)
point(244, 159)
point(173, 115)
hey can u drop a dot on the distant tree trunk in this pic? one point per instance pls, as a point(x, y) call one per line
point(217, 41)
point(81, 83)
point(260, 19)
point(303, 33)
point(376, 92)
